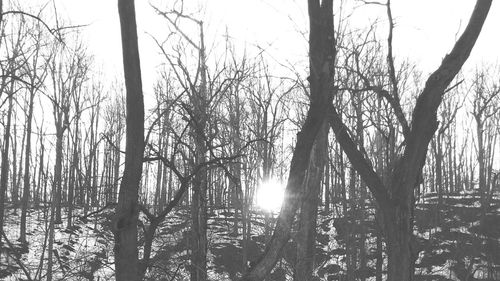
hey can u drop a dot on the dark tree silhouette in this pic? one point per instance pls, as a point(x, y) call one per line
point(127, 210)
point(321, 61)
point(396, 200)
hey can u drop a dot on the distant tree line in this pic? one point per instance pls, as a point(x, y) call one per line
point(371, 149)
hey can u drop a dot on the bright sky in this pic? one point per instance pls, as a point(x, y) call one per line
point(425, 30)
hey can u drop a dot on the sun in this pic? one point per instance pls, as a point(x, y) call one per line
point(270, 195)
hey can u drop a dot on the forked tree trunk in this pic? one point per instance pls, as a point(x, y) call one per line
point(396, 198)
point(321, 60)
point(306, 236)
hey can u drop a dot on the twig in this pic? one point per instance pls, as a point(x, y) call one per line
point(109, 205)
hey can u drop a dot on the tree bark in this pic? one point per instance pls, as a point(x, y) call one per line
point(73, 172)
point(396, 199)
point(199, 218)
point(481, 164)
point(306, 236)
point(50, 234)
point(4, 171)
point(26, 180)
point(57, 187)
point(126, 216)
point(200, 103)
point(322, 55)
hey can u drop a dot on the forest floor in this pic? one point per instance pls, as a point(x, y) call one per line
point(456, 244)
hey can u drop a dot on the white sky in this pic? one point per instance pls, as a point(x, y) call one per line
point(425, 30)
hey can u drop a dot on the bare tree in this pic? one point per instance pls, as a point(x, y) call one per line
point(485, 107)
point(306, 235)
point(321, 60)
point(127, 210)
point(10, 68)
point(396, 199)
point(36, 71)
point(199, 101)
point(68, 70)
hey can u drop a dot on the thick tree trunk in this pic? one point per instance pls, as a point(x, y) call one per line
point(199, 202)
point(306, 236)
point(116, 167)
point(199, 219)
point(379, 256)
point(398, 227)
point(126, 217)
point(322, 55)
point(199, 101)
point(396, 198)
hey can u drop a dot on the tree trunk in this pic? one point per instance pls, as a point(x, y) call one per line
point(199, 218)
point(57, 186)
point(158, 204)
point(4, 172)
point(398, 227)
point(306, 236)
point(439, 169)
point(14, 181)
point(396, 198)
point(116, 166)
point(72, 173)
point(126, 216)
point(50, 249)
point(26, 180)
point(322, 55)
point(481, 161)
point(378, 254)
point(199, 101)
point(41, 167)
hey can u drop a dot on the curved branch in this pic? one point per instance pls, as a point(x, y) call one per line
point(424, 119)
point(360, 163)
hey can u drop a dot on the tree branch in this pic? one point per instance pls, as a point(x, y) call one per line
point(424, 119)
point(360, 163)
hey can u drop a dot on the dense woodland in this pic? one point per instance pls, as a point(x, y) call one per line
point(390, 173)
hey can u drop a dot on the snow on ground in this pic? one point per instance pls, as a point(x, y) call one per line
point(79, 250)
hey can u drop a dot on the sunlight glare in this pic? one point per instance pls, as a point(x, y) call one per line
point(270, 195)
